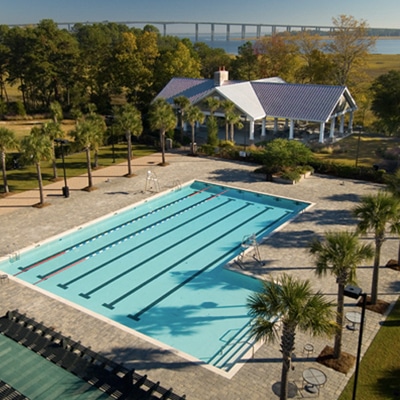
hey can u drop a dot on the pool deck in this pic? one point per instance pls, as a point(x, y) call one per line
point(286, 251)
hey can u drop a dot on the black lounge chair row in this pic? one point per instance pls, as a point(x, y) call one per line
point(107, 375)
point(9, 393)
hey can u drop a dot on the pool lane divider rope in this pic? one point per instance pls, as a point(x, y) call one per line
point(204, 246)
point(79, 244)
point(152, 256)
point(120, 240)
point(136, 316)
point(132, 249)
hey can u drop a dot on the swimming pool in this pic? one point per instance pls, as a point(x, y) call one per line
point(158, 266)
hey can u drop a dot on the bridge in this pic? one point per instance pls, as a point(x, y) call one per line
point(257, 30)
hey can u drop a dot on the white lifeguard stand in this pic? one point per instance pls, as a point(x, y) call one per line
point(249, 248)
point(152, 182)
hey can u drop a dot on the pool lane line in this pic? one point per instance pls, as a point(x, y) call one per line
point(218, 194)
point(105, 264)
point(204, 246)
point(111, 244)
point(197, 273)
point(57, 272)
point(52, 257)
point(88, 240)
point(160, 252)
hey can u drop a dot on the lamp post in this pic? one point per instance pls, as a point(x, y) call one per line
point(65, 189)
point(359, 128)
point(355, 292)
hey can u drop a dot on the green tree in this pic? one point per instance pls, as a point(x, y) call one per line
point(8, 142)
point(88, 134)
point(193, 116)
point(276, 56)
point(163, 119)
point(340, 253)
point(128, 120)
point(348, 48)
point(292, 302)
point(183, 103)
point(211, 59)
point(53, 131)
point(244, 66)
point(56, 112)
point(281, 154)
point(37, 148)
point(375, 213)
point(229, 109)
point(386, 101)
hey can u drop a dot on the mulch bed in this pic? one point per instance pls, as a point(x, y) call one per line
point(342, 364)
point(380, 307)
point(393, 264)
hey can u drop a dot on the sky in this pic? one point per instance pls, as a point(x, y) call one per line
point(381, 14)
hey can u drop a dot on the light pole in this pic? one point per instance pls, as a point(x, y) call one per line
point(359, 128)
point(65, 189)
point(355, 292)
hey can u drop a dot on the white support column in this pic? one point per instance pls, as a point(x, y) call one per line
point(332, 130)
point(264, 122)
point(341, 130)
point(351, 122)
point(276, 125)
point(291, 129)
point(321, 132)
point(251, 131)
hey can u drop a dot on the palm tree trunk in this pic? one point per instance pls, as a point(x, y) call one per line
point(54, 164)
point(337, 349)
point(39, 175)
point(129, 140)
point(162, 142)
point(193, 147)
point(287, 348)
point(226, 132)
point(4, 169)
point(89, 168)
point(375, 273)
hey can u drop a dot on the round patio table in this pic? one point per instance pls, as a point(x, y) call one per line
point(354, 317)
point(314, 378)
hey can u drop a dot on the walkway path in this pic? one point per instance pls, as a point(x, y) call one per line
point(23, 225)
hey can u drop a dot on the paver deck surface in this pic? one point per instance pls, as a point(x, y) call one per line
point(284, 251)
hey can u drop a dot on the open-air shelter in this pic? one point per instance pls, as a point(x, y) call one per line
point(271, 98)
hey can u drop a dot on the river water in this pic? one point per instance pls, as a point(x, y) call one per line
point(382, 46)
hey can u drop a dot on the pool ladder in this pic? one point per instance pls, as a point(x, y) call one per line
point(152, 182)
point(177, 184)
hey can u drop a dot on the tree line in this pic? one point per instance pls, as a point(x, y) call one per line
point(96, 63)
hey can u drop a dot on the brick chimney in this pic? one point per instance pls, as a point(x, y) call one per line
point(220, 76)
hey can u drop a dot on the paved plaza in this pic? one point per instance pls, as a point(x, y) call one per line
point(284, 251)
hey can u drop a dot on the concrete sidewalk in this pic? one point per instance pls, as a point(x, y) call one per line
point(284, 251)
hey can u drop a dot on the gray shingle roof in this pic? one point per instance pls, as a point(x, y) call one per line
point(270, 97)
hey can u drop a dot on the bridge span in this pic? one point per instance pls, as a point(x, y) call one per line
point(257, 30)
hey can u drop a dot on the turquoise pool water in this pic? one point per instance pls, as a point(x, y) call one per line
point(158, 266)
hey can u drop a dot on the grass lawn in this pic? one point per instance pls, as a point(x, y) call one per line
point(379, 373)
point(25, 178)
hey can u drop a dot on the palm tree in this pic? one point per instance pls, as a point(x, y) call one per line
point(294, 303)
point(212, 103)
point(194, 115)
point(162, 117)
point(89, 133)
point(340, 254)
point(56, 112)
point(53, 131)
point(393, 186)
point(128, 120)
point(375, 213)
point(183, 103)
point(229, 108)
point(8, 141)
point(37, 148)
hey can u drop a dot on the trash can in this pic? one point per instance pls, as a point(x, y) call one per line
point(168, 143)
point(193, 148)
point(65, 191)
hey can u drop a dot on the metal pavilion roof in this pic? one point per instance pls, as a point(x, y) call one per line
point(270, 97)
